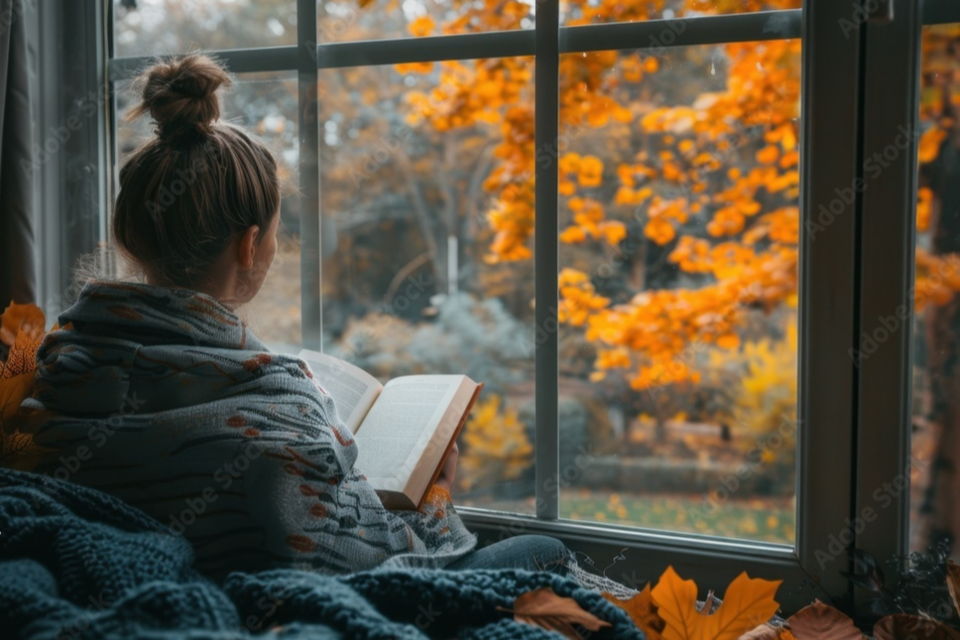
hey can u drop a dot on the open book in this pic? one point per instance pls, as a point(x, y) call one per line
point(404, 429)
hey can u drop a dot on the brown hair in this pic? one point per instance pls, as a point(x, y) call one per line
point(197, 183)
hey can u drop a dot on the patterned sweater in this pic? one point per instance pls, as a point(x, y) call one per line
point(163, 398)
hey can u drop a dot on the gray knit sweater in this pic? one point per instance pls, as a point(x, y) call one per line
point(163, 398)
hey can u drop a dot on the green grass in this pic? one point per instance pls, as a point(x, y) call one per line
point(762, 519)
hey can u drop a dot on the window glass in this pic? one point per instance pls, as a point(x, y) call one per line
point(936, 413)
point(266, 104)
point(418, 164)
point(580, 12)
point(165, 27)
point(346, 20)
point(679, 228)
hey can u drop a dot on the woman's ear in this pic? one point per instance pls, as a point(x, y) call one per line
point(247, 248)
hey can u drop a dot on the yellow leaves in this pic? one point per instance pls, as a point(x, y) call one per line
point(404, 68)
point(691, 254)
point(496, 446)
point(573, 235)
point(589, 222)
point(784, 225)
point(728, 341)
point(578, 298)
point(747, 603)
point(929, 147)
point(630, 197)
point(924, 202)
point(659, 230)
point(631, 68)
point(768, 155)
point(789, 159)
point(422, 26)
point(937, 278)
point(727, 221)
point(489, 90)
point(569, 163)
point(708, 161)
point(544, 608)
point(613, 359)
point(613, 231)
point(590, 171)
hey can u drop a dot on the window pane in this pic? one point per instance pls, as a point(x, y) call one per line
point(266, 104)
point(164, 27)
point(679, 228)
point(935, 483)
point(416, 163)
point(579, 12)
point(346, 20)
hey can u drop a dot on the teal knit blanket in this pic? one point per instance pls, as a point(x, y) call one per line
point(79, 563)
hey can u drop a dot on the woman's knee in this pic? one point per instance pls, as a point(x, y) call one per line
point(549, 552)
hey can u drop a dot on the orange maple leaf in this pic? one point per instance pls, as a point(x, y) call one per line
point(747, 603)
point(642, 611)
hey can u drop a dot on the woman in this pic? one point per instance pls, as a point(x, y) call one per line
point(160, 395)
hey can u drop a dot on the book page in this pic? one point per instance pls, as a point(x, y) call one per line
point(353, 390)
point(400, 425)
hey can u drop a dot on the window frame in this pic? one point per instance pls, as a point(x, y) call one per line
point(834, 402)
point(887, 266)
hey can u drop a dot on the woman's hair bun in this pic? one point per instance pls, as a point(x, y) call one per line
point(181, 96)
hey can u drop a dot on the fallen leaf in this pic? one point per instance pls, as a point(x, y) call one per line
point(642, 611)
point(901, 626)
point(768, 632)
point(747, 603)
point(27, 318)
point(819, 621)
point(953, 583)
point(677, 602)
point(544, 608)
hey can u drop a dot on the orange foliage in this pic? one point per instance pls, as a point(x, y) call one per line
point(726, 164)
point(747, 603)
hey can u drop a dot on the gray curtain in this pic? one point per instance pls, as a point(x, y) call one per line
point(17, 275)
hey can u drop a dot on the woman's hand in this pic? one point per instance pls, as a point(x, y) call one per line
point(449, 469)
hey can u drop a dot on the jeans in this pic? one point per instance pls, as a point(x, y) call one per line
point(530, 552)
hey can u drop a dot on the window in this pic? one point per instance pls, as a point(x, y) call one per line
point(934, 448)
point(614, 216)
